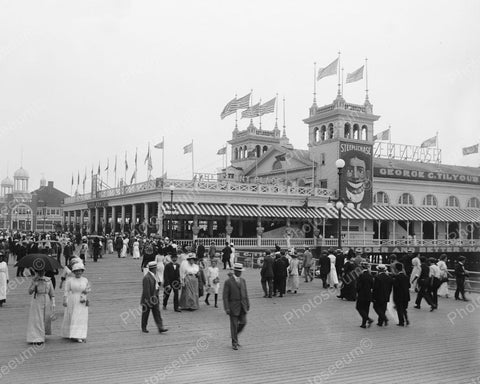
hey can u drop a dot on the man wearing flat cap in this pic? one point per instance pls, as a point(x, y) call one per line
point(150, 300)
point(382, 287)
point(236, 303)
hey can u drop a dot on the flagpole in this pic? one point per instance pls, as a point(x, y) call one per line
point(163, 156)
point(338, 71)
point(436, 140)
point(366, 79)
point(250, 104)
point(260, 115)
point(115, 170)
point(125, 167)
point(315, 83)
point(236, 113)
point(136, 159)
point(342, 81)
point(193, 169)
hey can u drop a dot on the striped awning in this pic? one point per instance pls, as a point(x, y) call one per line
point(424, 214)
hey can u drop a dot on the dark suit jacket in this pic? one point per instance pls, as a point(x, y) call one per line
point(364, 286)
point(460, 272)
point(235, 297)
point(171, 274)
point(279, 269)
point(149, 292)
point(324, 263)
point(382, 287)
point(339, 263)
point(401, 288)
point(267, 267)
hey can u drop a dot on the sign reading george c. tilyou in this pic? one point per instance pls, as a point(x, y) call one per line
point(409, 174)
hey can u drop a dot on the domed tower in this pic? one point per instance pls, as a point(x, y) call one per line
point(20, 180)
point(6, 186)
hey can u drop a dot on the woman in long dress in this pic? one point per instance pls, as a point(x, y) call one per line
point(443, 289)
point(213, 282)
point(332, 278)
point(159, 259)
point(123, 254)
point(110, 245)
point(3, 279)
point(414, 276)
point(293, 276)
point(136, 249)
point(42, 307)
point(75, 300)
point(232, 255)
point(188, 277)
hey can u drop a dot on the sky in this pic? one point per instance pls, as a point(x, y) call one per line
point(84, 81)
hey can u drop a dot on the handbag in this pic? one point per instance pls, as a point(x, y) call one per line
point(216, 280)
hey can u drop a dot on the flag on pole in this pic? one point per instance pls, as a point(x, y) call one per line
point(470, 150)
point(251, 112)
point(431, 142)
point(72, 180)
point(148, 155)
point(329, 70)
point(108, 165)
point(150, 164)
point(355, 75)
point(188, 148)
point(115, 168)
point(98, 170)
point(384, 135)
point(135, 159)
point(126, 162)
point(78, 178)
point(268, 107)
point(244, 101)
point(84, 178)
point(230, 108)
point(222, 151)
point(159, 145)
point(134, 175)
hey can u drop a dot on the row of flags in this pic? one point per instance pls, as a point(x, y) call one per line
point(248, 111)
point(332, 69)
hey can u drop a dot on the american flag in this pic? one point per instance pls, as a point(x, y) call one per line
point(230, 108)
point(188, 148)
point(384, 135)
point(244, 101)
point(251, 112)
point(222, 151)
point(268, 107)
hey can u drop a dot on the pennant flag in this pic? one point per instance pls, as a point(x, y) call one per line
point(355, 75)
point(115, 168)
point(78, 178)
point(84, 178)
point(148, 155)
point(126, 162)
point(251, 112)
point(91, 174)
point(98, 170)
point(164, 176)
point(150, 164)
point(329, 70)
point(72, 180)
point(230, 108)
point(268, 107)
point(384, 135)
point(188, 148)
point(135, 159)
point(159, 145)
point(222, 151)
point(134, 174)
point(108, 165)
point(244, 102)
point(469, 150)
point(431, 142)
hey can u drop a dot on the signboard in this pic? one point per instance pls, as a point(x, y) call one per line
point(418, 249)
point(98, 204)
point(396, 173)
point(356, 179)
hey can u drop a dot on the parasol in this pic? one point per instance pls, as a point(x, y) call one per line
point(38, 261)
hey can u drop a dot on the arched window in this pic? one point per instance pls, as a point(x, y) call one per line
point(22, 209)
point(430, 201)
point(265, 148)
point(235, 153)
point(245, 152)
point(316, 135)
point(240, 152)
point(258, 151)
point(330, 131)
point(323, 133)
point(452, 201)
point(364, 132)
point(405, 199)
point(381, 198)
point(356, 132)
point(347, 131)
point(473, 203)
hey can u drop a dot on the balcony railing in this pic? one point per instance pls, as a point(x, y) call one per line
point(205, 185)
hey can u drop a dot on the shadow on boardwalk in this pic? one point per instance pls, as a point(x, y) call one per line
point(310, 337)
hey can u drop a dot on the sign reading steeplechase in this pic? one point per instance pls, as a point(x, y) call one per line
point(396, 173)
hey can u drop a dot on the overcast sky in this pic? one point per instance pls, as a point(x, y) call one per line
point(82, 81)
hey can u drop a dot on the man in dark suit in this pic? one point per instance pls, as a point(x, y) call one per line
point(236, 303)
point(401, 294)
point(364, 294)
point(150, 300)
point(424, 285)
point(279, 275)
point(324, 263)
point(339, 262)
point(382, 287)
point(267, 275)
point(226, 252)
point(171, 282)
point(119, 244)
point(460, 275)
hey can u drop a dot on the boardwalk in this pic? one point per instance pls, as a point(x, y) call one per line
point(311, 337)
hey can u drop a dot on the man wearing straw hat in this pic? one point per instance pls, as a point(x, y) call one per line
point(236, 303)
point(150, 300)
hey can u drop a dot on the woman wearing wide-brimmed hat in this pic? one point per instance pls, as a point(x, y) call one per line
point(42, 307)
point(75, 301)
point(189, 279)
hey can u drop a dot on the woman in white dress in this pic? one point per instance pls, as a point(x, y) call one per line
point(188, 277)
point(42, 307)
point(416, 270)
point(123, 254)
point(443, 289)
point(293, 276)
point(213, 282)
point(3, 279)
point(232, 255)
point(110, 245)
point(332, 278)
point(76, 303)
point(136, 249)
point(159, 259)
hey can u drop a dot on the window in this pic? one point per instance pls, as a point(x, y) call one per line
point(364, 132)
point(322, 158)
point(323, 133)
point(452, 201)
point(258, 150)
point(430, 201)
point(324, 183)
point(405, 199)
point(330, 131)
point(356, 132)
point(235, 154)
point(316, 135)
point(265, 148)
point(347, 131)
point(473, 203)
point(381, 198)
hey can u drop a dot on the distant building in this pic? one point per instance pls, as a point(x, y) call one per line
point(21, 210)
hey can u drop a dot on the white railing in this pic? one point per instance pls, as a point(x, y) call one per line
point(204, 185)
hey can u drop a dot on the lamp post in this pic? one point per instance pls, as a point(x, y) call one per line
point(339, 203)
point(172, 188)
